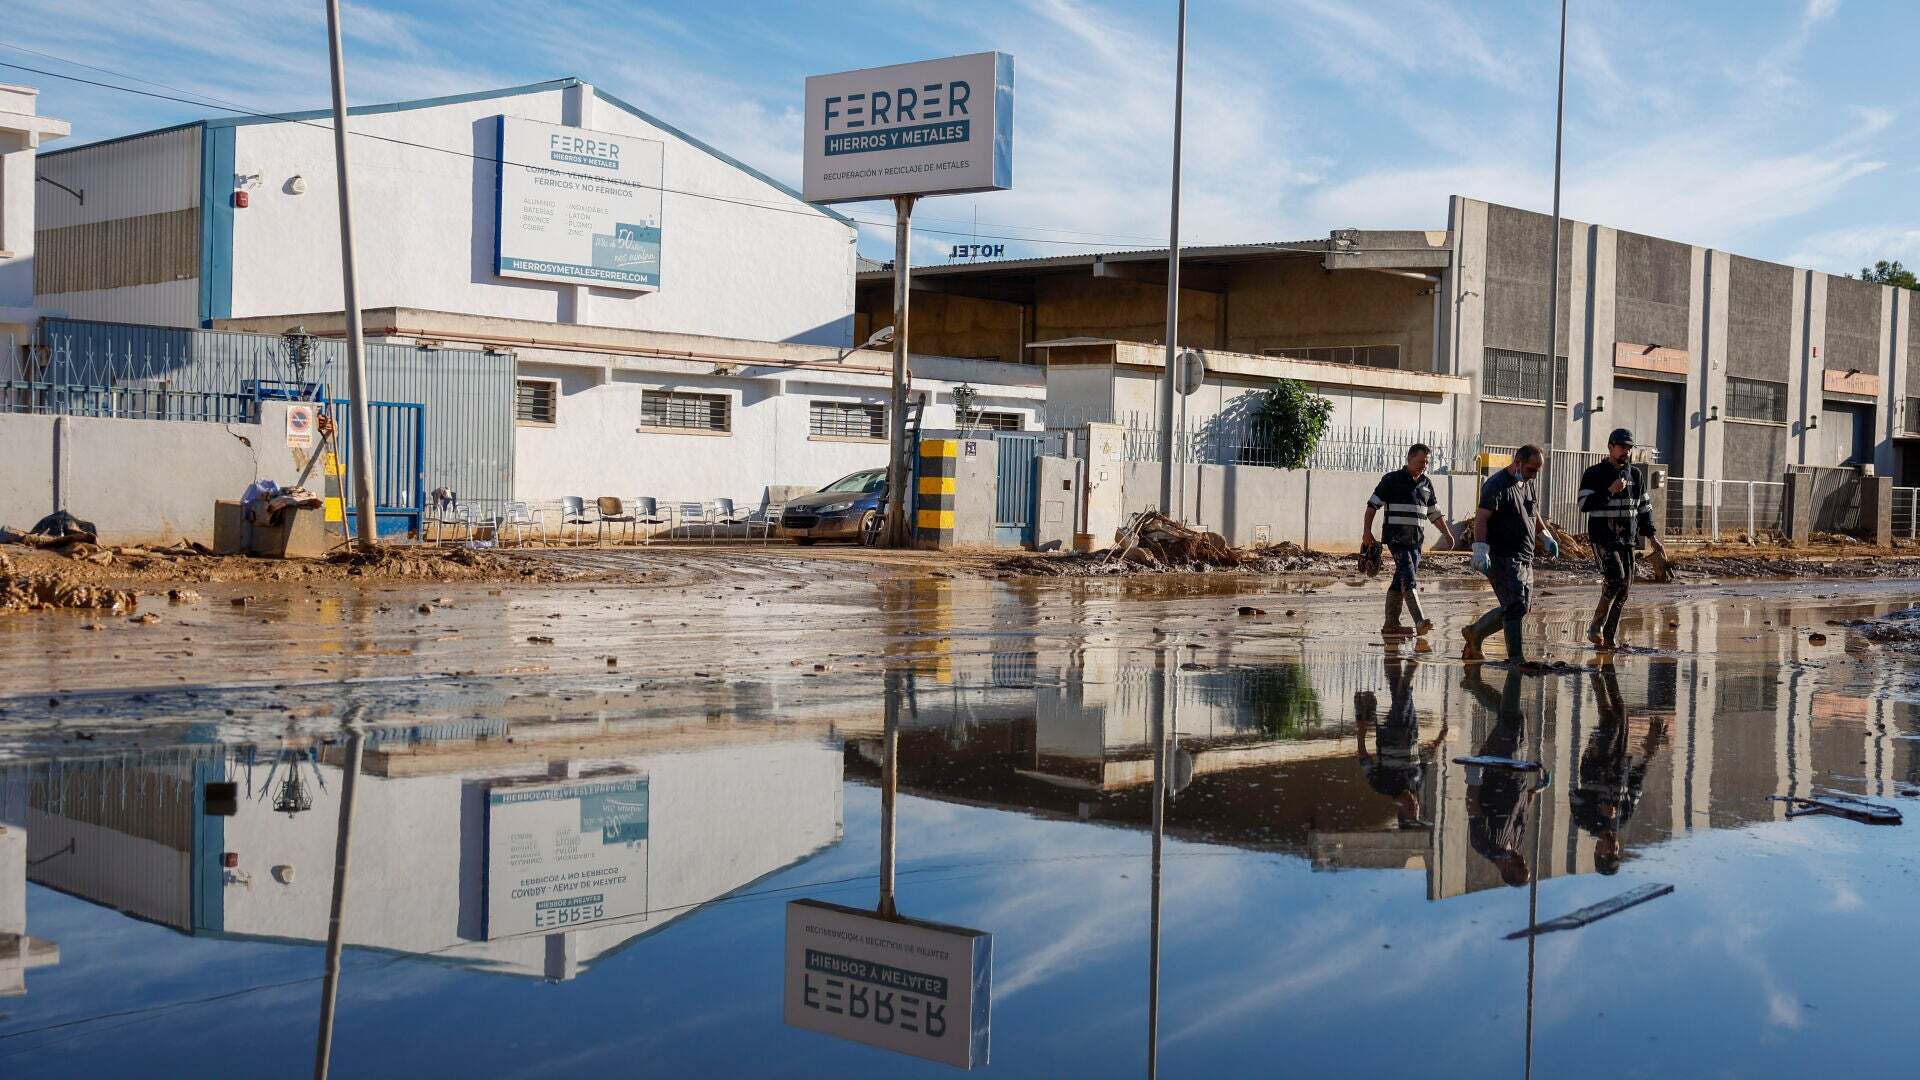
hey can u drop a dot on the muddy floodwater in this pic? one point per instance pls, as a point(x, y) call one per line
point(807, 822)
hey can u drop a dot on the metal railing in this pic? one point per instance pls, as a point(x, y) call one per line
point(1250, 441)
point(1906, 512)
point(1721, 509)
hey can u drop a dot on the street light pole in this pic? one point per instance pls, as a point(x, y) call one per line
point(1173, 275)
point(359, 432)
point(897, 494)
point(1553, 286)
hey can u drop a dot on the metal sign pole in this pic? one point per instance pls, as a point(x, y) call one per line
point(1173, 275)
point(362, 433)
point(897, 494)
point(1553, 289)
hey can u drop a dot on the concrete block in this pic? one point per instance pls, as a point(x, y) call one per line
point(229, 527)
point(299, 534)
point(1057, 500)
point(977, 486)
point(1798, 515)
point(1876, 510)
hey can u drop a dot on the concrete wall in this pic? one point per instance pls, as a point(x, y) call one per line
point(976, 486)
point(140, 481)
point(596, 447)
point(1251, 504)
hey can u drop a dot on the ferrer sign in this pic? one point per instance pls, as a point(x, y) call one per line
point(912, 987)
point(578, 206)
point(937, 127)
point(562, 856)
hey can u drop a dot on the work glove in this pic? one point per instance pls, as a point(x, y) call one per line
point(1482, 560)
point(1549, 546)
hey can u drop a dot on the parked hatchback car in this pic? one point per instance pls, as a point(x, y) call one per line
point(850, 508)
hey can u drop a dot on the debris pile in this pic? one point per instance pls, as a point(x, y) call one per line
point(22, 591)
point(407, 561)
point(1900, 629)
point(1155, 543)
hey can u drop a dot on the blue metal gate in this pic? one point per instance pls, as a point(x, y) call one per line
point(1019, 469)
point(399, 456)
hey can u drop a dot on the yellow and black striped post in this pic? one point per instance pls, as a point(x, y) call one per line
point(933, 506)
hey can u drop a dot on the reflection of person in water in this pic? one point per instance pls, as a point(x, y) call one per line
point(1398, 766)
point(1611, 774)
point(1498, 799)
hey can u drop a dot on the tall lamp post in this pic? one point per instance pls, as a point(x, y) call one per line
point(1553, 278)
point(360, 434)
point(1173, 275)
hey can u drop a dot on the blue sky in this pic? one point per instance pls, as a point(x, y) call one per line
point(1781, 129)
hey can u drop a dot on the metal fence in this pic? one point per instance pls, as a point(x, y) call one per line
point(1906, 512)
point(1251, 441)
point(1721, 509)
point(80, 367)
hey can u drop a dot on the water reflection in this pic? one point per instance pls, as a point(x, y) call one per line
point(1306, 825)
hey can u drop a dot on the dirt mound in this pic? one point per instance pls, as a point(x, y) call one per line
point(91, 564)
point(439, 564)
point(22, 590)
point(1155, 543)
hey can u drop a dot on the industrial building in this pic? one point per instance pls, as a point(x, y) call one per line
point(1729, 368)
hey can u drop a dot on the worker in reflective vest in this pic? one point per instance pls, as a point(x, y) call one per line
point(1619, 510)
point(1406, 496)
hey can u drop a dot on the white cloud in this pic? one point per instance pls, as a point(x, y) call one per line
point(1847, 250)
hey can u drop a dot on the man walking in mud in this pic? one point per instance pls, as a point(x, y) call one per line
point(1500, 799)
point(1619, 510)
point(1397, 767)
point(1505, 529)
point(1611, 775)
point(1406, 495)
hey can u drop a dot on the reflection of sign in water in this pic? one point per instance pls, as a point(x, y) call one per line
point(578, 206)
point(912, 987)
point(566, 855)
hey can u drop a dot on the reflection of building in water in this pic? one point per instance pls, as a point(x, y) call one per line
point(724, 807)
point(18, 952)
point(1268, 758)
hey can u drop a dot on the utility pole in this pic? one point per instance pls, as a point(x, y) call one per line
point(1173, 276)
point(360, 433)
point(897, 494)
point(1553, 285)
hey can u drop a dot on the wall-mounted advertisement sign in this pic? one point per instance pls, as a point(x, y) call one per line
point(936, 127)
point(578, 206)
point(913, 987)
point(566, 855)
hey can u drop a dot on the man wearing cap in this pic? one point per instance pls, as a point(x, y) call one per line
point(1504, 530)
point(1398, 765)
point(1619, 510)
point(1408, 499)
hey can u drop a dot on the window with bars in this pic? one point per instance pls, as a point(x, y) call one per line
point(1911, 417)
point(1519, 376)
point(1380, 356)
point(989, 420)
point(686, 411)
point(535, 401)
point(1756, 399)
point(847, 420)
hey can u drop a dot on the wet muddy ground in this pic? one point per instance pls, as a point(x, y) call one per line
point(1334, 891)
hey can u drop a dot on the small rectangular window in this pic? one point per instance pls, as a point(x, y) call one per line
point(1517, 376)
point(1754, 399)
point(988, 420)
point(535, 401)
point(847, 420)
point(686, 411)
point(1911, 417)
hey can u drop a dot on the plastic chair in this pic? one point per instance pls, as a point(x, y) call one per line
point(769, 520)
point(454, 515)
point(519, 517)
point(646, 511)
point(613, 512)
point(691, 514)
point(573, 511)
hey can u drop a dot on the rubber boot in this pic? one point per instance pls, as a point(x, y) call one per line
point(1477, 633)
point(1392, 624)
point(1595, 628)
point(1420, 621)
point(1516, 645)
point(1611, 630)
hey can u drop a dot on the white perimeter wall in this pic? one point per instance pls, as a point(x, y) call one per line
point(1315, 508)
point(594, 448)
point(425, 224)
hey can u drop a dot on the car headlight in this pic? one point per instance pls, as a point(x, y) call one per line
point(838, 508)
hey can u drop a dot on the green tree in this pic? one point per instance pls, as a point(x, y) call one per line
point(1890, 273)
point(1289, 420)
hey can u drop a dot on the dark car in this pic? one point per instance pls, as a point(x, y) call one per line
point(850, 508)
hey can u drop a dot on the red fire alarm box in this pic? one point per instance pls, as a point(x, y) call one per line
point(240, 200)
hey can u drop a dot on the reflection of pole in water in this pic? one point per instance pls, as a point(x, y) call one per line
point(1539, 832)
point(889, 790)
point(343, 835)
point(1160, 691)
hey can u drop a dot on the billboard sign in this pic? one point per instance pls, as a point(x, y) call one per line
point(937, 127)
point(912, 987)
point(578, 206)
point(566, 855)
